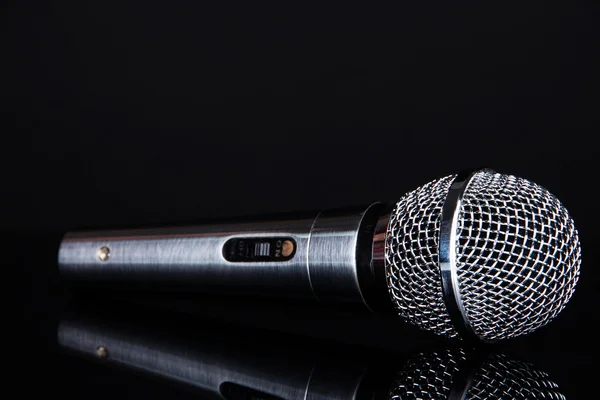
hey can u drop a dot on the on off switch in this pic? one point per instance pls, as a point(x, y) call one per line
point(259, 249)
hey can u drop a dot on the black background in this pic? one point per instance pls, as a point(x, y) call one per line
point(144, 113)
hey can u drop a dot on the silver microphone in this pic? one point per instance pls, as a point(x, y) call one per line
point(478, 255)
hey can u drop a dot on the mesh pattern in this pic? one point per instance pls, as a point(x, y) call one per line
point(431, 376)
point(411, 257)
point(518, 256)
point(502, 378)
point(428, 375)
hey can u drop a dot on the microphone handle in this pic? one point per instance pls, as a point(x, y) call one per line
point(333, 255)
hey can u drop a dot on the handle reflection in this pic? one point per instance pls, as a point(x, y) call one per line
point(236, 362)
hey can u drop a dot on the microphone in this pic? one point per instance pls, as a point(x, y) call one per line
point(233, 362)
point(479, 255)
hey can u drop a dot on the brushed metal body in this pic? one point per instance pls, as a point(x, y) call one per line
point(332, 256)
point(211, 364)
point(324, 266)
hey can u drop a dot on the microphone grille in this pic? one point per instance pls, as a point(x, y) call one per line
point(517, 256)
point(411, 258)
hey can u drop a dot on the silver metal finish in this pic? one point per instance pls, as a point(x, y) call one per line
point(486, 256)
point(516, 254)
point(188, 257)
point(447, 256)
point(379, 296)
point(324, 264)
point(332, 262)
point(454, 374)
point(411, 258)
point(379, 241)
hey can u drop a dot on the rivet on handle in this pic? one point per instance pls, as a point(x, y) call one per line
point(102, 352)
point(103, 253)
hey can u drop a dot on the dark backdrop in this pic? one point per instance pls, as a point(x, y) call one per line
point(148, 112)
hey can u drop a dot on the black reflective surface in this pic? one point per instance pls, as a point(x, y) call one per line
point(235, 362)
point(137, 113)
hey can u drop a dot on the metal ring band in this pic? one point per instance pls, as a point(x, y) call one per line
point(447, 255)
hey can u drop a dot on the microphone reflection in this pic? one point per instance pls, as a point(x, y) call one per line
point(234, 362)
point(454, 373)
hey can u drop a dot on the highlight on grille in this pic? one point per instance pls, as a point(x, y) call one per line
point(517, 256)
point(438, 374)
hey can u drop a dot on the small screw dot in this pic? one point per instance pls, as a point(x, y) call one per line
point(102, 352)
point(103, 253)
